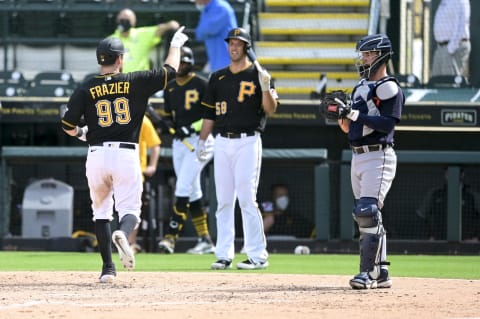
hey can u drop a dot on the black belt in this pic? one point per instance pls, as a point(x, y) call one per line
point(446, 42)
point(236, 135)
point(368, 148)
point(121, 145)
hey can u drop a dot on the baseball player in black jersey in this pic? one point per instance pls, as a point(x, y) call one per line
point(237, 101)
point(184, 112)
point(113, 105)
point(377, 102)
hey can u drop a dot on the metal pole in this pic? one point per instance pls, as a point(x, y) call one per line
point(427, 7)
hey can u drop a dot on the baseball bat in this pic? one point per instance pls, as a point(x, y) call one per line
point(172, 131)
point(158, 119)
point(252, 56)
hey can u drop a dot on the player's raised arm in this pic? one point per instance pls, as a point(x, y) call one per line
point(173, 57)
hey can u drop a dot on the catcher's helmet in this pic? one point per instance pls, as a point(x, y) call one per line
point(241, 34)
point(187, 55)
point(379, 43)
point(108, 50)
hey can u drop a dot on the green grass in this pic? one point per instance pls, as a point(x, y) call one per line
point(455, 267)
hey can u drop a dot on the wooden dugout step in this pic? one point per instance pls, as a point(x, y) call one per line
point(317, 3)
point(313, 23)
point(291, 53)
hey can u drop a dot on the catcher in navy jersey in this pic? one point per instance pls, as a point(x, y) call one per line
point(369, 120)
point(237, 101)
point(184, 112)
point(113, 105)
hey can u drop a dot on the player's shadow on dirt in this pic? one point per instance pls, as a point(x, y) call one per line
point(284, 288)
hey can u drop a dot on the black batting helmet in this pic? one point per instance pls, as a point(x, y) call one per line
point(241, 34)
point(108, 50)
point(379, 43)
point(187, 55)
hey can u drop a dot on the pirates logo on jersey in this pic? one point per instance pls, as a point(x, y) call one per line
point(246, 88)
point(191, 97)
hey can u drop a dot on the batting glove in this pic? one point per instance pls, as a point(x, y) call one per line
point(184, 132)
point(264, 79)
point(179, 38)
point(82, 133)
point(201, 151)
point(345, 111)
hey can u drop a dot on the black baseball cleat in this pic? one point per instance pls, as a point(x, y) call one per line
point(108, 273)
point(250, 265)
point(221, 264)
point(384, 280)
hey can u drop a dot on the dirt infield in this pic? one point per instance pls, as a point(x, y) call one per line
point(137, 295)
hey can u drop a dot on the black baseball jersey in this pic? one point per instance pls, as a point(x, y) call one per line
point(113, 105)
point(234, 101)
point(183, 100)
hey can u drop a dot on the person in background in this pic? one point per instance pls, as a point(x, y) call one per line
point(433, 210)
point(139, 42)
point(451, 30)
point(216, 19)
point(278, 219)
point(149, 150)
point(184, 112)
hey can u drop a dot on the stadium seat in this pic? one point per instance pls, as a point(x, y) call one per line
point(448, 81)
point(52, 83)
point(12, 83)
point(408, 81)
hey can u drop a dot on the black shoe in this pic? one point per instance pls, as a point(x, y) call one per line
point(108, 273)
point(221, 264)
point(249, 265)
point(384, 280)
point(363, 281)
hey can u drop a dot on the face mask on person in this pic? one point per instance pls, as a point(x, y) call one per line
point(282, 202)
point(200, 7)
point(124, 25)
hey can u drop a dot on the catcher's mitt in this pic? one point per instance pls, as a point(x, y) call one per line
point(335, 105)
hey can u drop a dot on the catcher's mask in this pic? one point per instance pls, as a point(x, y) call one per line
point(186, 61)
point(241, 34)
point(108, 50)
point(378, 44)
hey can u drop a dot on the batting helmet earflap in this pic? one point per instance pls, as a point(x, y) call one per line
point(241, 34)
point(187, 55)
point(108, 50)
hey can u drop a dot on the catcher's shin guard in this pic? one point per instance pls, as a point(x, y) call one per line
point(372, 236)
